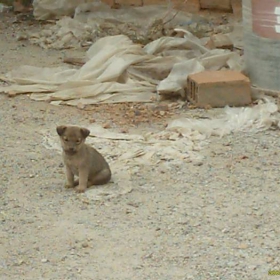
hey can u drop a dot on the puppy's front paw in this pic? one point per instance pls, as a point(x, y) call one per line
point(68, 186)
point(80, 189)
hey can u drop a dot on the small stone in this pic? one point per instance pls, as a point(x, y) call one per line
point(106, 125)
point(134, 204)
point(124, 130)
point(148, 256)
point(198, 163)
point(269, 259)
point(244, 157)
point(63, 258)
point(166, 107)
point(231, 264)
point(242, 246)
point(138, 267)
point(22, 37)
point(85, 245)
point(220, 41)
point(20, 262)
point(227, 144)
point(81, 106)
point(44, 260)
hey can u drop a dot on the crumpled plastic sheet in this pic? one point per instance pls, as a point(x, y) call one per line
point(182, 141)
point(48, 9)
point(176, 80)
point(245, 119)
point(117, 70)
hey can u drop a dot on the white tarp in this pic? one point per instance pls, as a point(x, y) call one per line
point(118, 70)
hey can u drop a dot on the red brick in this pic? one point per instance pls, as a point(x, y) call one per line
point(191, 6)
point(222, 5)
point(154, 2)
point(218, 89)
point(236, 6)
point(109, 2)
point(130, 2)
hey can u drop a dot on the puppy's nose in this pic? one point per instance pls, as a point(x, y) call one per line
point(71, 149)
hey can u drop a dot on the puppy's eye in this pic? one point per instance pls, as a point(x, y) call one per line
point(66, 139)
point(78, 141)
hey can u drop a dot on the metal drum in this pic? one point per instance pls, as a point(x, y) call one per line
point(261, 21)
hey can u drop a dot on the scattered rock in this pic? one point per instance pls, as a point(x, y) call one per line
point(220, 41)
point(85, 245)
point(106, 125)
point(243, 246)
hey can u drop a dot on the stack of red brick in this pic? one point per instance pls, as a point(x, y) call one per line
point(234, 6)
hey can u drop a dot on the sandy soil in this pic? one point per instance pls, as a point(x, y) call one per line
point(215, 220)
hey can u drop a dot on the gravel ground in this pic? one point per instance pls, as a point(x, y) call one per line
point(215, 220)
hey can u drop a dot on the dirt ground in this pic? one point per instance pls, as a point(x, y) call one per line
point(214, 220)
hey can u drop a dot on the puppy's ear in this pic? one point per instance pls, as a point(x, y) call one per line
point(61, 129)
point(85, 132)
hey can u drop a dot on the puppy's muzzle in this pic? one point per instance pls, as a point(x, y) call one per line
point(70, 151)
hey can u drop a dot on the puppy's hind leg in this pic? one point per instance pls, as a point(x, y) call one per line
point(100, 178)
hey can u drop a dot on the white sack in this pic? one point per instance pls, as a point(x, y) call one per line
point(177, 79)
point(217, 59)
point(167, 43)
point(117, 70)
point(98, 78)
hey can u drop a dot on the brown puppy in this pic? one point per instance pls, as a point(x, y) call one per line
point(82, 160)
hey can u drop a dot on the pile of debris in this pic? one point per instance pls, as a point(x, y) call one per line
point(117, 69)
point(130, 59)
